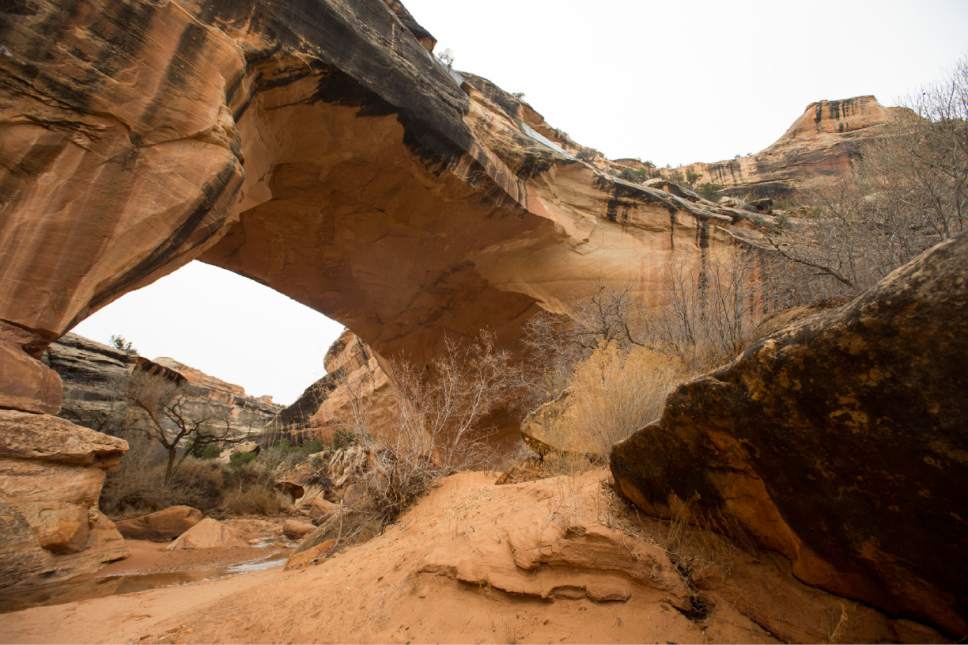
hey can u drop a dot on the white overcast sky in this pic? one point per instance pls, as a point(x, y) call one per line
point(669, 82)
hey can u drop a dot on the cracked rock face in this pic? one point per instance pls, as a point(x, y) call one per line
point(839, 441)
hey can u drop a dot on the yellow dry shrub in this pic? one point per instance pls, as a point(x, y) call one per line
point(612, 393)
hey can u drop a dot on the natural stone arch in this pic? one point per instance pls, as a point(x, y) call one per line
point(343, 167)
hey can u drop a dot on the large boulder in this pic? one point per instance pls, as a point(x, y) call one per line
point(297, 529)
point(160, 526)
point(241, 448)
point(839, 440)
point(51, 473)
point(312, 555)
point(208, 534)
point(24, 435)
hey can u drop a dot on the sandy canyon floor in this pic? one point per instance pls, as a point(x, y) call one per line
point(554, 560)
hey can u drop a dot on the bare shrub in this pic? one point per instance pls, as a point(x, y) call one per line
point(137, 484)
point(440, 427)
point(442, 408)
point(612, 393)
point(551, 354)
point(596, 378)
point(712, 311)
point(202, 482)
point(555, 343)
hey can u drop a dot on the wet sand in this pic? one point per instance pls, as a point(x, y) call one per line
point(151, 565)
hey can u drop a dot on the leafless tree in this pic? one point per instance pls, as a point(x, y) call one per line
point(441, 410)
point(161, 409)
point(712, 309)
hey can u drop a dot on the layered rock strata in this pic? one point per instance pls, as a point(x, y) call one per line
point(95, 376)
point(318, 147)
point(208, 396)
point(817, 149)
point(355, 395)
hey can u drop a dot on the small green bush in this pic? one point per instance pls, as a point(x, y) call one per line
point(710, 191)
point(311, 446)
point(635, 175)
point(239, 459)
point(282, 455)
point(211, 451)
point(343, 439)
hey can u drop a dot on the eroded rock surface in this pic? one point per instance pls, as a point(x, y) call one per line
point(556, 560)
point(839, 441)
point(213, 397)
point(51, 473)
point(355, 382)
point(318, 147)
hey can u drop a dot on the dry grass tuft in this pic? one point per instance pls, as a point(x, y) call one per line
point(258, 499)
point(612, 393)
point(615, 392)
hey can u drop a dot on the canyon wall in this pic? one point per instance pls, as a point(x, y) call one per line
point(344, 167)
point(817, 149)
point(355, 395)
point(95, 377)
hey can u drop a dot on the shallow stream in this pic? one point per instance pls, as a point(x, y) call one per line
point(98, 586)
